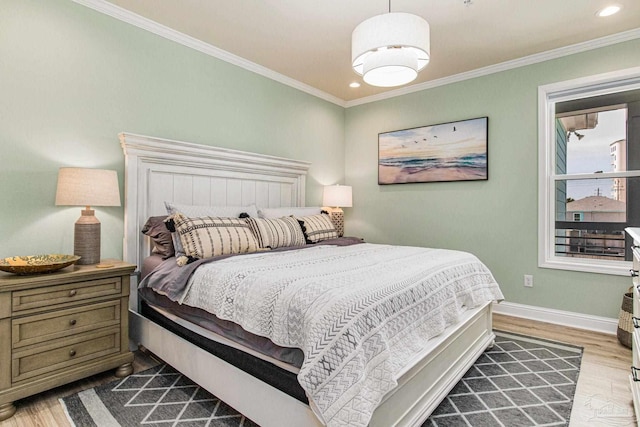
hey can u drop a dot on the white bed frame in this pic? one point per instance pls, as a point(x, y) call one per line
point(158, 170)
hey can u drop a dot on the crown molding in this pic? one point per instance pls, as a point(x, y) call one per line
point(136, 20)
point(129, 17)
point(504, 66)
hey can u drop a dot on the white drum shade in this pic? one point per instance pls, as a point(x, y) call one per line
point(390, 49)
point(337, 196)
point(390, 67)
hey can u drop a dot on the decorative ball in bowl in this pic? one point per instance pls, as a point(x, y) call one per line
point(36, 264)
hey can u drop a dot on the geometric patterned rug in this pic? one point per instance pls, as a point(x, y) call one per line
point(159, 396)
point(521, 381)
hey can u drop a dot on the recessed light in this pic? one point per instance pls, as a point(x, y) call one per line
point(354, 84)
point(608, 11)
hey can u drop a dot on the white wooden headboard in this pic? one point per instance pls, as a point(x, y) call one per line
point(159, 170)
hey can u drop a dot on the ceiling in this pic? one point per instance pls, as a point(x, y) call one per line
point(310, 41)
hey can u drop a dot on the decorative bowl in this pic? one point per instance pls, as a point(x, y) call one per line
point(36, 264)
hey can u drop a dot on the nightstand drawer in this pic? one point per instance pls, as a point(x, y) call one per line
point(65, 354)
point(40, 328)
point(61, 294)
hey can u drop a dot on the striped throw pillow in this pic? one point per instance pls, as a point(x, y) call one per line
point(277, 232)
point(317, 228)
point(206, 237)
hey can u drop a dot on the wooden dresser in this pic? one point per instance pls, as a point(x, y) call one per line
point(635, 339)
point(60, 327)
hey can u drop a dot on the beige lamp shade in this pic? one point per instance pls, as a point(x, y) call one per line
point(87, 187)
point(338, 196)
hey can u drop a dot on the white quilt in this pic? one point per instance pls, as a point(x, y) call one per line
point(359, 313)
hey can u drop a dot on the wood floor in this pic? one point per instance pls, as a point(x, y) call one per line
point(602, 398)
point(603, 395)
point(44, 409)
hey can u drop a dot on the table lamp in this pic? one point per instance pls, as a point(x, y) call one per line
point(87, 187)
point(337, 197)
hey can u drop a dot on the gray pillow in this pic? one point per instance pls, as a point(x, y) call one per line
point(157, 230)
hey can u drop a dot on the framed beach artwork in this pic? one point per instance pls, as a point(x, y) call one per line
point(456, 151)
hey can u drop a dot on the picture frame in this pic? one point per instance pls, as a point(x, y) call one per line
point(444, 152)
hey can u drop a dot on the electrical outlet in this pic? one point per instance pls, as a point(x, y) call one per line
point(528, 281)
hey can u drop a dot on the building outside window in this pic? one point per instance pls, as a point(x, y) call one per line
point(587, 142)
point(589, 172)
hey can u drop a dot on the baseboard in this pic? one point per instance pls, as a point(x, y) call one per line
point(559, 317)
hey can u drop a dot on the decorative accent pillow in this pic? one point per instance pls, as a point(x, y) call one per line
point(288, 211)
point(198, 211)
point(207, 237)
point(156, 229)
point(277, 232)
point(317, 228)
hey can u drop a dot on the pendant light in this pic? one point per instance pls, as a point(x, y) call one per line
point(390, 49)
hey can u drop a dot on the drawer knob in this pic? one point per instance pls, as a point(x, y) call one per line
point(634, 273)
point(72, 353)
point(72, 322)
point(72, 293)
point(634, 373)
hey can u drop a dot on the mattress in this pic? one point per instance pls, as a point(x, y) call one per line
point(211, 327)
point(269, 372)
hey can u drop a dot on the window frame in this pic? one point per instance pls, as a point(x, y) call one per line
point(548, 96)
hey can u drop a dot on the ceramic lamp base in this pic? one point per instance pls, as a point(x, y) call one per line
point(337, 217)
point(86, 238)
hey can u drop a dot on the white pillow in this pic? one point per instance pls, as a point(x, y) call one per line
point(197, 211)
point(293, 210)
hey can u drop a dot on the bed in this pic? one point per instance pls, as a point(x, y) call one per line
point(159, 170)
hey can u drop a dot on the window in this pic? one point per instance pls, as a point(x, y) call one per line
point(589, 172)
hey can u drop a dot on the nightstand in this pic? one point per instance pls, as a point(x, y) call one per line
point(60, 327)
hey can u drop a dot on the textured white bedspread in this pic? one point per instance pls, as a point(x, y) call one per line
point(360, 313)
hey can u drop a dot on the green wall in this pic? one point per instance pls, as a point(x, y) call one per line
point(71, 79)
point(496, 219)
